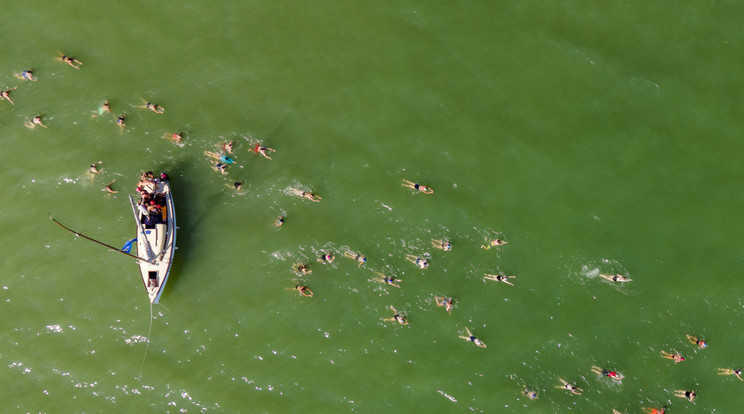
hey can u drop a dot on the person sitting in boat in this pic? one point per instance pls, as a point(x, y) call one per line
point(147, 184)
point(145, 197)
point(149, 220)
point(142, 207)
point(154, 209)
point(159, 199)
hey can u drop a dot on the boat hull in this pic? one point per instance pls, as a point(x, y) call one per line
point(156, 242)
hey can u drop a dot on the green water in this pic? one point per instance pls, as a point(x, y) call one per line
point(592, 137)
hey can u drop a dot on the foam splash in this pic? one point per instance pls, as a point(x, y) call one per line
point(447, 396)
point(54, 328)
point(135, 339)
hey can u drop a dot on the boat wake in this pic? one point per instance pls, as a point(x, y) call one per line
point(147, 346)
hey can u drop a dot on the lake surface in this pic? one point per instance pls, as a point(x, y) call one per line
point(594, 138)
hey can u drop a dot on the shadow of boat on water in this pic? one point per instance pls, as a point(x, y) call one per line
point(182, 186)
point(189, 204)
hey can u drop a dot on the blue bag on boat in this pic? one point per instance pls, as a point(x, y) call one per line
point(128, 245)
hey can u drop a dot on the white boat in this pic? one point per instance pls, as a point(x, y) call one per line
point(156, 239)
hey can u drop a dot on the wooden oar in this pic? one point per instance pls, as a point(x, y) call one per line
point(96, 241)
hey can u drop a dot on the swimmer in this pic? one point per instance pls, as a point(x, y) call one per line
point(397, 318)
point(358, 257)
point(606, 373)
point(492, 243)
point(424, 189)
point(108, 188)
point(237, 186)
point(310, 196)
point(677, 358)
point(212, 155)
point(532, 395)
point(614, 411)
point(442, 244)
point(94, 168)
point(279, 221)
point(35, 121)
point(499, 278)
point(155, 108)
point(303, 268)
point(228, 147)
point(6, 95)
point(26, 75)
point(649, 410)
point(176, 137)
point(121, 121)
point(304, 290)
point(699, 342)
point(615, 278)
point(689, 395)
point(220, 167)
point(572, 388)
point(305, 194)
point(327, 258)
point(473, 339)
point(729, 371)
point(258, 149)
point(421, 263)
point(219, 157)
point(448, 303)
point(71, 61)
point(387, 280)
point(104, 108)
